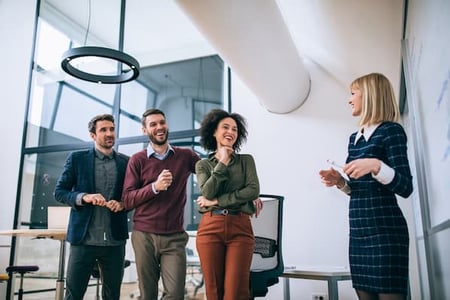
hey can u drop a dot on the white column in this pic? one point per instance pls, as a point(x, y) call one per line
point(16, 39)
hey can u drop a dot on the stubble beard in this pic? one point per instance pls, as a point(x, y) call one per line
point(108, 144)
point(155, 140)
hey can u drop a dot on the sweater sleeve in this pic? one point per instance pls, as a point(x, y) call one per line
point(235, 185)
point(134, 193)
point(249, 191)
point(210, 178)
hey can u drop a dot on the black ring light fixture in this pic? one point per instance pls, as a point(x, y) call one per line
point(90, 51)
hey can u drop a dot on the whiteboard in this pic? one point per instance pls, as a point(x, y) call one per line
point(428, 47)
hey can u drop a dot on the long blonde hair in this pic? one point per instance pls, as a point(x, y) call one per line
point(378, 99)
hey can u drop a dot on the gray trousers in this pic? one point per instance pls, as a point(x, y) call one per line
point(160, 256)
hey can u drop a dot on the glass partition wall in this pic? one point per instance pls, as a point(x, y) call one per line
point(60, 106)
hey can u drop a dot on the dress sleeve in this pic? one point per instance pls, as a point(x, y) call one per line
point(396, 152)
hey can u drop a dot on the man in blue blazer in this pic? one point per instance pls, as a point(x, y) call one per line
point(91, 183)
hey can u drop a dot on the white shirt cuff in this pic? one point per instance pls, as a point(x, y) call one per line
point(385, 175)
point(79, 199)
point(154, 188)
point(346, 188)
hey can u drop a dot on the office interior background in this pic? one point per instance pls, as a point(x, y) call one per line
point(289, 79)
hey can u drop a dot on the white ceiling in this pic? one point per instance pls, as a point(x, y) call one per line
point(345, 38)
point(156, 31)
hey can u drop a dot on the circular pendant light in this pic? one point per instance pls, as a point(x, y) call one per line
point(70, 56)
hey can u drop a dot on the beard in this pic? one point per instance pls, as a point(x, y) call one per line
point(107, 143)
point(156, 141)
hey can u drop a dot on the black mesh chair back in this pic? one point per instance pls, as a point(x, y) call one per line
point(267, 264)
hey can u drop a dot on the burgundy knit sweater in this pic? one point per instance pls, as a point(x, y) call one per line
point(161, 213)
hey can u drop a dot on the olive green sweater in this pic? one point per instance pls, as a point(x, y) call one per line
point(234, 185)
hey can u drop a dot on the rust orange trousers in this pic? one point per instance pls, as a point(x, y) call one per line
point(225, 246)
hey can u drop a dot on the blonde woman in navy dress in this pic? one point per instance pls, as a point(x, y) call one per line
point(378, 169)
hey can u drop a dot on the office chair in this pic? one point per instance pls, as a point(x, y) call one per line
point(267, 264)
point(21, 270)
point(194, 275)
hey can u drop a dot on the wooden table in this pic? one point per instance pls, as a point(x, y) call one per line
point(330, 274)
point(56, 234)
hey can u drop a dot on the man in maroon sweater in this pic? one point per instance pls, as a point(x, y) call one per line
point(155, 187)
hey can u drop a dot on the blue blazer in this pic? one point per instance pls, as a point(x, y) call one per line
point(77, 177)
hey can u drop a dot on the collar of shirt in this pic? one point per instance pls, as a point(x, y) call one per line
point(151, 151)
point(366, 132)
point(212, 156)
point(102, 156)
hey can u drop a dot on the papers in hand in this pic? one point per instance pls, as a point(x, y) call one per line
point(339, 167)
point(334, 164)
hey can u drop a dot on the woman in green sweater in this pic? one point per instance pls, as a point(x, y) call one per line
point(229, 184)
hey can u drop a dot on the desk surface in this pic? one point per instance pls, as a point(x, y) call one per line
point(57, 234)
point(324, 272)
point(330, 274)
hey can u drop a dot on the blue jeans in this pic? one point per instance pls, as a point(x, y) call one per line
point(82, 260)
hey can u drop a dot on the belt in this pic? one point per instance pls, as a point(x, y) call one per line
point(225, 212)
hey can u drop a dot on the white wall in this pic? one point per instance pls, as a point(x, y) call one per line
point(16, 36)
point(289, 151)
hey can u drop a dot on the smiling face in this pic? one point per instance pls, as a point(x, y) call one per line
point(156, 129)
point(104, 136)
point(226, 133)
point(355, 101)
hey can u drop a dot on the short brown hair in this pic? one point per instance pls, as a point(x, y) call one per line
point(151, 111)
point(93, 122)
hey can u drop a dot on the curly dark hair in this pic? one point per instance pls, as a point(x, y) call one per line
point(93, 122)
point(209, 125)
